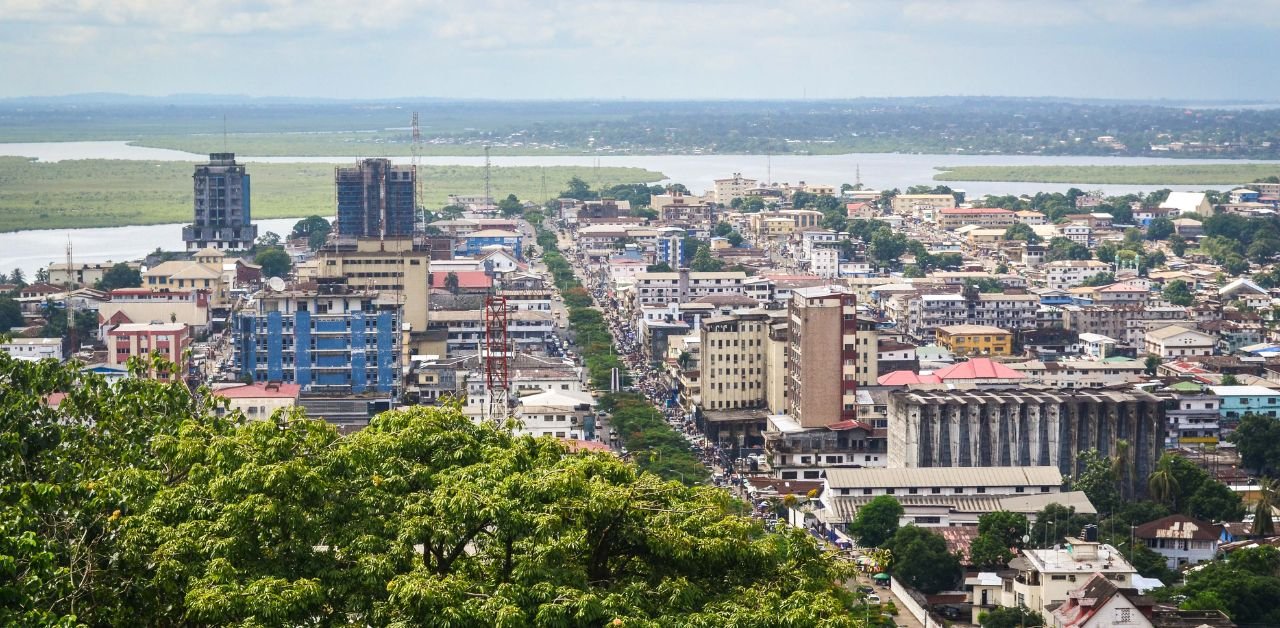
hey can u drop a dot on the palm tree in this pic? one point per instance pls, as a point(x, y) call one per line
point(1263, 524)
point(1120, 468)
point(1163, 484)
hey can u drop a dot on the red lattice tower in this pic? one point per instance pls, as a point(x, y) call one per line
point(496, 349)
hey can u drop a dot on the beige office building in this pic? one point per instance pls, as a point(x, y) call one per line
point(391, 265)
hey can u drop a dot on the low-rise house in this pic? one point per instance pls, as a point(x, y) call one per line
point(1045, 578)
point(1180, 539)
point(33, 348)
point(975, 340)
point(259, 401)
point(558, 413)
point(1099, 603)
point(1174, 341)
point(169, 340)
point(1065, 274)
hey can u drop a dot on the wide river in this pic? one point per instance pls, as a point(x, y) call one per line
point(30, 250)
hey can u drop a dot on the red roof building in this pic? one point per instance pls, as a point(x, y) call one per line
point(468, 280)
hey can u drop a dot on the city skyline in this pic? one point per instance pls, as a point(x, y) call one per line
point(821, 49)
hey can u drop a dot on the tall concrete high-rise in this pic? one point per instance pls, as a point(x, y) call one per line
point(222, 219)
point(375, 199)
point(822, 356)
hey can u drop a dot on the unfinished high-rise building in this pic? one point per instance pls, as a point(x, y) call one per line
point(375, 199)
point(222, 219)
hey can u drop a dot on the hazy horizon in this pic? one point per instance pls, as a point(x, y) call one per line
point(1143, 50)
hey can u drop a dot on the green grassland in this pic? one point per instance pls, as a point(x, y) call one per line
point(111, 193)
point(1190, 174)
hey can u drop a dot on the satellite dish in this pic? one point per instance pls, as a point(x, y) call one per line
point(276, 284)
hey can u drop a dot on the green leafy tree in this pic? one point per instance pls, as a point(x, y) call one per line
point(274, 262)
point(451, 282)
point(1100, 279)
point(10, 314)
point(703, 262)
point(1005, 527)
point(309, 225)
point(161, 512)
point(1178, 245)
point(1098, 480)
point(1160, 229)
point(921, 560)
point(1010, 617)
point(452, 212)
point(510, 206)
point(42, 275)
point(660, 267)
point(986, 552)
point(18, 277)
point(735, 239)
point(1151, 364)
point(877, 521)
point(1178, 292)
point(1064, 249)
point(269, 239)
point(580, 190)
point(1268, 498)
point(1022, 231)
point(120, 275)
point(1245, 586)
point(1055, 522)
point(1257, 440)
point(1163, 483)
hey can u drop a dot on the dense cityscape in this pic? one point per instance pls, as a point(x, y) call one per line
point(957, 399)
point(637, 314)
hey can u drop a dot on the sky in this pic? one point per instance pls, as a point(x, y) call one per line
point(643, 49)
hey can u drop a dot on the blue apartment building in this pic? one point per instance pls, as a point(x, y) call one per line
point(331, 340)
point(474, 245)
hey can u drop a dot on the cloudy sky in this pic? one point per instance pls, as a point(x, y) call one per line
point(643, 49)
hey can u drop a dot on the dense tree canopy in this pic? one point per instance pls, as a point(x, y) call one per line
point(120, 275)
point(876, 522)
point(274, 262)
point(158, 512)
point(921, 559)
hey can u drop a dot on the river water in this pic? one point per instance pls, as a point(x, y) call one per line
point(30, 250)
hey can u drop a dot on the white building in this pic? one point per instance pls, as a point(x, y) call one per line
point(1180, 539)
point(825, 262)
point(941, 496)
point(663, 288)
point(735, 187)
point(33, 348)
point(1174, 341)
point(1048, 576)
point(1064, 274)
point(557, 413)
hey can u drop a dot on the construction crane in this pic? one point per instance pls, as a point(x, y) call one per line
point(496, 350)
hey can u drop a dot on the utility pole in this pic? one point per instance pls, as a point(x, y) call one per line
point(416, 149)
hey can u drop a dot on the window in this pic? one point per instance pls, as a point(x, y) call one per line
point(866, 491)
point(913, 491)
point(959, 490)
point(982, 489)
point(935, 490)
point(1124, 615)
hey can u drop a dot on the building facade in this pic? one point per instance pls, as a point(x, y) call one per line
point(395, 267)
point(375, 199)
point(941, 428)
point(332, 340)
point(222, 217)
point(822, 343)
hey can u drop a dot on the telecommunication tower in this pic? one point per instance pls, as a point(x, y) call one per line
point(496, 349)
point(416, 150)
point(488, 197)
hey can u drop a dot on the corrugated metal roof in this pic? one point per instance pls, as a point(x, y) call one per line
point(928, 477)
